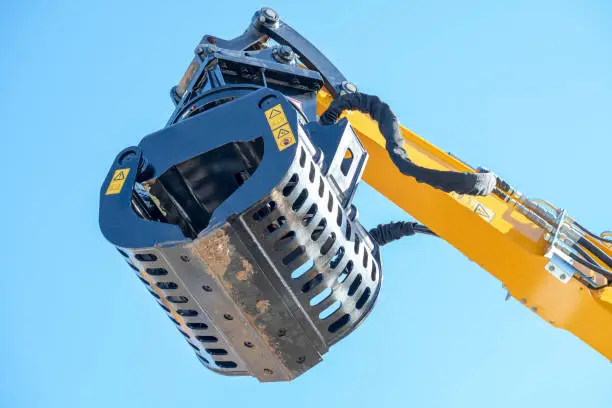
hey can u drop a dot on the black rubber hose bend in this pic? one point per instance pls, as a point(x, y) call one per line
point(386, 233)
point(601, 255)
point(480, 184)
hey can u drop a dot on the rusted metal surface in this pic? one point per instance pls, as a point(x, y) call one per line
point(185, 81)
point(214, 250)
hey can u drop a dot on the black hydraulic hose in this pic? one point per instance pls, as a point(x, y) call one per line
point(588, 245)
point(597, 237)
point(462, 183)
point(386, 233)
point(424, 230)
point(584, 254)
point(591, 266)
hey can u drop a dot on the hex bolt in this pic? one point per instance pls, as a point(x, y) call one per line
point(282, 332)
point(228, 316)
point(285, 52)
point(207, 288)
point(185, 258)
point(301, 360)
point(268, 16)
point(267, 371)
point(349, 87)
point(248, 344)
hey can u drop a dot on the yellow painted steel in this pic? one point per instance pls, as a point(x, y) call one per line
point(490, 232)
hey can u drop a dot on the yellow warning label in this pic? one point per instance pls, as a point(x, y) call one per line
point(276, 116)
point(476, 206)
point(117, 181)
point(280, 128)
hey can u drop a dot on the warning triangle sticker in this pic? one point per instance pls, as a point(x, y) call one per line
point(274, 113)
point(282, 132)
point(481, 211)
point(120, 176)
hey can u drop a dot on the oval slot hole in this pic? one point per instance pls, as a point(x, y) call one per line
point(146, 257)
point(324, 294)
point(347, 161)
point(345, 272)
point(316, 234)
point(330, 310)
point(284, 240)
point(335, 261)
point(305, 267)
point(276, 225)
point(226, 364)
point(299, 202)
point(329, 242)
point(216, 352)
point(186, 312)
point(177, 299)
point(321, 187)
point(355, 285)
point(156, 271)
point(291, 185)
point(313, 283)
point(167, 285)
point(207, 339)
point(337, 325)
point(363, 298)
point(197, 326)
point(309, 216)
point(293, 255)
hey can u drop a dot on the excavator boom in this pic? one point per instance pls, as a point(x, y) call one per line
point(495, 234)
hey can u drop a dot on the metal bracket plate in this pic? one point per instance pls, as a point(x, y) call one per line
point(560, 264)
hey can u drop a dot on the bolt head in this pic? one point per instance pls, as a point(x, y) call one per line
point(268, 16)
point(563, 276)
point(349, 87)
point(284, 54)
point(551, 268)
point(285, 51)
point(269, 13)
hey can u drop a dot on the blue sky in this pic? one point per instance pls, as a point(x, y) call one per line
point(522, 88)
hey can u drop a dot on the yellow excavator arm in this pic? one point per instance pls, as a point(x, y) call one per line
point(506, 237)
